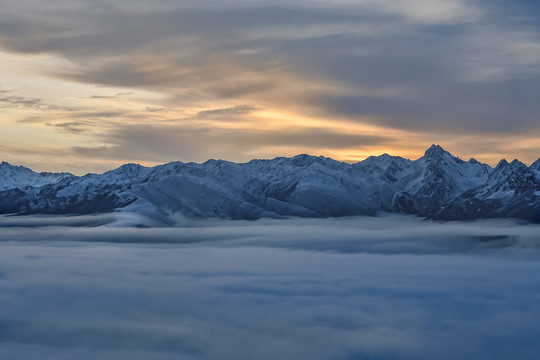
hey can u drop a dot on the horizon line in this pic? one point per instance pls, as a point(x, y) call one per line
point(270, 159)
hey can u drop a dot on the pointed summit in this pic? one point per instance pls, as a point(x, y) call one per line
point(510, 175)
point(535, 165)
point(435, 151)
point(501, 165)
point(516, 164)
point(302, 160)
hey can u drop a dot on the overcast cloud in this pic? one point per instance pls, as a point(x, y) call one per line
point(434, 71)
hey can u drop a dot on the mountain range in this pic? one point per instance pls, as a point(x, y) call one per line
point(438, 185)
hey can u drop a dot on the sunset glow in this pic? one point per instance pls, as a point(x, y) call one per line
point(87, 86)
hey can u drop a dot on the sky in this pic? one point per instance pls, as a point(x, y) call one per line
point(87, 85)
point(385, 288)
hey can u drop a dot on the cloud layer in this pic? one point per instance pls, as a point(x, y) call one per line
point(385, 288)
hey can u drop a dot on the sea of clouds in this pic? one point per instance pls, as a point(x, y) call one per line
point(389, 287)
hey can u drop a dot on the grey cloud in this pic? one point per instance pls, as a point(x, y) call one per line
point(32, 120)
point(237, 110)
point(77, 119)
point(116, 31)
point(149, 143)
point(475, 108)
point(33, 150)
point(237, 88)
point(465, 72)
point(73, 127)
point(153, 109)
point(383, 234)
point(110, 96)
point(103, 114)
point(177, 142)
point(20, 102)
point(30, 103)
point(235, 290)
point(94, 152)
point(315, 138)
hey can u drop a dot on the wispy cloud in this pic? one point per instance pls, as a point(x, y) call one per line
point(19, 102)
point(237, 110)
point(73, 127)
point(109, 96)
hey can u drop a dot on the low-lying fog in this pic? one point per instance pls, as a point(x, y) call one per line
point(391, 287)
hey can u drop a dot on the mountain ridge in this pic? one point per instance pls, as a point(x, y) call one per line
point(438, 185)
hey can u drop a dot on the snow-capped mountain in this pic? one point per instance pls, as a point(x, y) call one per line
point(428, 182)
point(438, 177)
point(19, 176)
point(512, 190)
point(436, 185)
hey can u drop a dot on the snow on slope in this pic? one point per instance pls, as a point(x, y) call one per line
point(438, 176)
point(437, 184)
point(512, 190)
point(19, 176)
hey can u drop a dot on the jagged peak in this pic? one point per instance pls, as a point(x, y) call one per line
point(502, 164)
point(382, 157)
point(473, 161)
point(48, 173)
point(518, 165)
point(535, 165)
point(129, 168)
point(516, 162)
point(219, 164)
point(299, 160)
point(8, 165)
point(506, 168)
point(214, 162)
point(305, 159)
point(435, 151)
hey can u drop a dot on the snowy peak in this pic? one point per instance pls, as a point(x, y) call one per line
point(436, 151)
point(382, 161)
point(126, 171)
point(514, 176)
point(517, 165)
point(386, 167)
point(436, 185)
point(303, 160)
point(439, 176)
point(436, 154)
point(535, 166)
point(502, 163)
point(505, 169)
point(512, 190)
point(5, 166)
point(12, 177)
